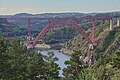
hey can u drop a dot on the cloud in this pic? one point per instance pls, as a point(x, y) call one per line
point(30, 10)
point(4, 11)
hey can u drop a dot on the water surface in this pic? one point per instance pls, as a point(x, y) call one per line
point(62, 58)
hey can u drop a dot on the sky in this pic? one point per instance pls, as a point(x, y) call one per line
point(8, 7)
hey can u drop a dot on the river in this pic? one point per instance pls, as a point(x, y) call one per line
point(62, 58)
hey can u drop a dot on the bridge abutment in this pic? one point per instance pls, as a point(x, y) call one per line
point(111, 24)
point(30, 46)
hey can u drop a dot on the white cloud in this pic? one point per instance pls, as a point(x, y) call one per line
point(4, 11)
point(29, 10)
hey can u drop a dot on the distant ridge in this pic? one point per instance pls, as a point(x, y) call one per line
point(67, 14)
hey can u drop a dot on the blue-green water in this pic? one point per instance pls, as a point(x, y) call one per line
point(62, 58)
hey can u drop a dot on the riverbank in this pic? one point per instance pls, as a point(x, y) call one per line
point(66, 51)
point(56, 46)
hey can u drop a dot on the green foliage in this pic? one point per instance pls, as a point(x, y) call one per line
point(101, 27)
point(108, 41)
point(106, 68)
point(19, 63)
point(74, 67)
point(110, 38)
point(60, 33)
point(51, 69)
point(3, 59)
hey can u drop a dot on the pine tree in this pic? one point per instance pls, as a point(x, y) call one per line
point(4, 57)
point(74, 67)
point(51, 68)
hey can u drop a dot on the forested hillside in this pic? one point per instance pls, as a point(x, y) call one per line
point(19, 27)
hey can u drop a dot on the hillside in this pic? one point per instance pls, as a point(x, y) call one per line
point(12, 29)
point(107, 41)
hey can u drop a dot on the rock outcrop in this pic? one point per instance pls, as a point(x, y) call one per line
point(107, 41)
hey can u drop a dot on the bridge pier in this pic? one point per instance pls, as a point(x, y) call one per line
point(118, 22)
point(111, 24)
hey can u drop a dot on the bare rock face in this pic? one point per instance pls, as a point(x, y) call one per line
point(86, 60)
point(81, 58)
point(66, 51)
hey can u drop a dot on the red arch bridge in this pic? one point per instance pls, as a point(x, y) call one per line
point(54, 21)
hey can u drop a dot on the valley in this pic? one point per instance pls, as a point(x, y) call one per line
point(88, 47)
